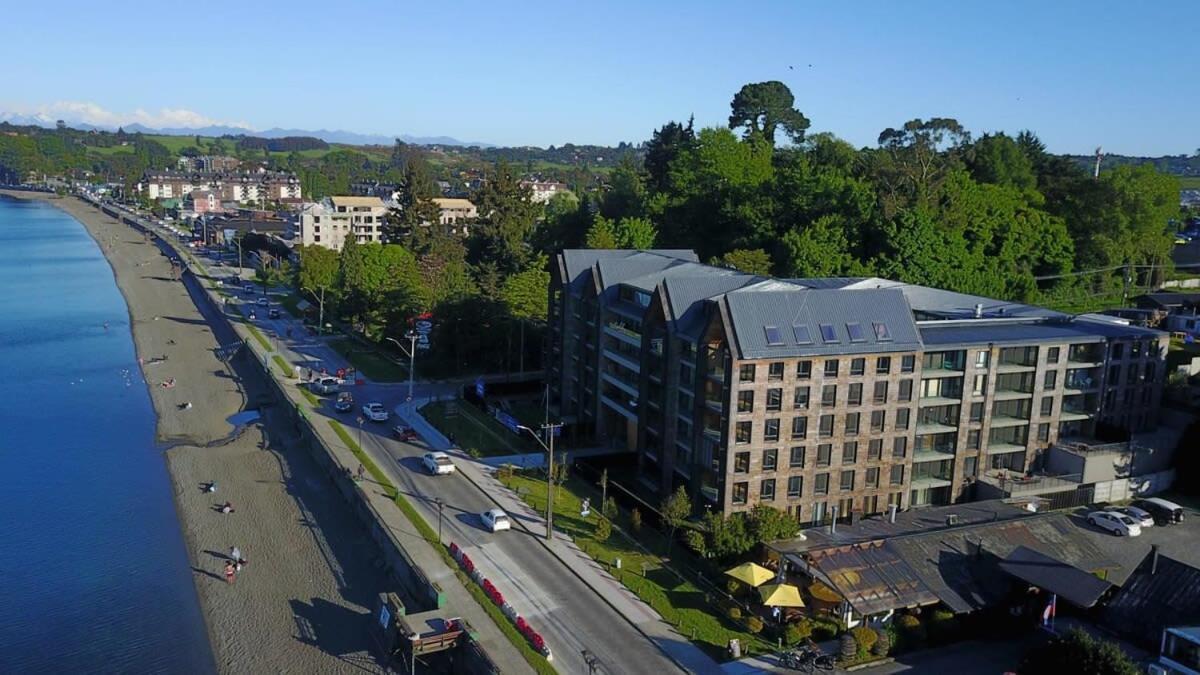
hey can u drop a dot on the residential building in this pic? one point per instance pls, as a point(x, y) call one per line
point(543, 191)
point(244, 186)
point(824, 396)
point(456, 214)
point(209, 163)
point(331, 221)
point(202, 201)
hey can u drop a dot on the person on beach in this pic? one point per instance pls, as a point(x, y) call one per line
point(230, 572)
point(239, 564)
point(211, 487)
point(227, 507)
point(362, 470)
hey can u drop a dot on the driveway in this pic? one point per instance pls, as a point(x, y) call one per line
point(1181, 542)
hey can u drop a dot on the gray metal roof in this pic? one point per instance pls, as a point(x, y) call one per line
point(578, 261)
point(686, 295)
point(949, 304)
point(1050, 574)
point(826, 282)
point(752, 309)
point(982, 332)
point(1155, 597)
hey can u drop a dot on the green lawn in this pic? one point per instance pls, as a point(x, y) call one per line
point(285, 368)
point(309, 396)
point(692, 611)
point(262, 340)
point(370, 362)
point(475, 432)
point(1189, 182)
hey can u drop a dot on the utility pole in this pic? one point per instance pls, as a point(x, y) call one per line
point(411, 353)
point(320, 308)
point(549, 430)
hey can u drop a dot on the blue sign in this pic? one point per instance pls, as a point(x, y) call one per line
point(479, 387)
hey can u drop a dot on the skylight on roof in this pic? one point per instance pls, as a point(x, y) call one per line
point(882, 333)
point(801, 332)
point(773, 335)
point(828, 334)
point(856, 332)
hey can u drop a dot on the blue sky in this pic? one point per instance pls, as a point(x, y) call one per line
point(1080, 74)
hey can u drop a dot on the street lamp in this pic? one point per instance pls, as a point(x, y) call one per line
point(549, 429)
point(360, 423)
point(238, 241)
point(411, 353)
point(321, 303)
point(440, 504)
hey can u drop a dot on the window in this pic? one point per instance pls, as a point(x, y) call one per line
point(800, 398)
point(746, 373)
point(821, 486)
point(852, 421)
point(796, 457)
point(770, 459)
point(897, 477)
point(828, 334)
point(775, 371)
point(855, 395)
point(1149, 372)
point(1044, 432)
point(858, 367)
point(683, 430)
point(908, 363)
point(831, 368)
point(829, 395)
point(826, 423)
point(883, 365)
point(976, 412)
point(771, 430)
point(895, 499)
point(875, 449)
point(795, 486)
point(979, 388)
point(1047, 405)
point(970, 467)
point(773, 335)
point(878, 420)
point(741, 462)
point(824, 454)
point(1052, 355)
point(906, 388)
point(847, 481)
point(881, 391)
point(1051, 380)
point(743, 431)
point(973, 439)
point(855, 330)
point(872, 477)
point(902, 419)
point(774, 400)
point(981, 359)
point(849, 452)
point(882, 333)
point(900, 446)
point(799, 428)
point(1118, 351)
point(745, 401)
point(1114, 375)
point(740, 492)
point(800, 332)
point(804, 370)
point(766, 490)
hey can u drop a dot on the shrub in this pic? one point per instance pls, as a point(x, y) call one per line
point(883, 643)
point(696, 541)
point(735, 613)
point(824, 629)
point(866, 639)
point(798, 632)
point(848, 646)
point(733, 586)
point(912, 629)
point(505, 472)
point(610, 509)
point(943, 625)
point(603, 529)
point(635, 520)
point(754, 625)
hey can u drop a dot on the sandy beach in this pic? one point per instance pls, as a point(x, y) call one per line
point(302, 602)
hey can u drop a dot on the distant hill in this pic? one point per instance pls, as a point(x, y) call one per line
point(1179, 165)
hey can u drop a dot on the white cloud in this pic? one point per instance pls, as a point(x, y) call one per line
point(91, 113)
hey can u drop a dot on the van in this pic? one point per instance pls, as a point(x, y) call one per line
point(1164, 512)
point(325, 385)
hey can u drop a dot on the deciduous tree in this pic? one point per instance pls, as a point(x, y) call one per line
point(762, 107)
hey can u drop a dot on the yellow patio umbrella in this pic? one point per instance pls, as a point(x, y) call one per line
point(780, 595)
point(751, 573)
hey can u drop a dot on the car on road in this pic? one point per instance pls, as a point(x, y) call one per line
point(263, 302)
point(1139, 516)
point(495, 520)
point(344, 403)
point(272, 313)
point(438, 463)
point(324, 385)
point(1117, 523)
point(1164, 512)
point(404, 433)
point(375, 412)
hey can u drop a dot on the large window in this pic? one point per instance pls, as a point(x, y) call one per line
point(746, 372)
point(766, 490)
point(855, 395)
point(831, 368)
point(902, 415)
point(878, 420)
point(900, 446)
point(796, 457)
point(872, 477)
point(821, 484)
point(852, 422)
point(800, 398)
point(906, 387)
point(741, 462)
point(897, 477)
point(829, 395)
point(774, 400)
point(847, 481)
point(804, 370)
point(824, 454)
point(850, 452)
point(1050, 380)
point(743, 431)
point(740, 492)
point(874, 449)
point(858, 366)
point(881, 392)
point(775, 371)
point(795, 486)
point(799, 428)
point(770, 459)
point(883, 365)
point(826, 426)
point(745, 401)
point(908, 363)
point(771, 430)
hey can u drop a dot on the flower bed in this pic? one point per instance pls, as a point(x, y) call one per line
point(489, 589)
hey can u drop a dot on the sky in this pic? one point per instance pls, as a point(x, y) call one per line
point(1119, 75)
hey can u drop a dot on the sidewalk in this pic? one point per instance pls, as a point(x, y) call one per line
point(621, 599)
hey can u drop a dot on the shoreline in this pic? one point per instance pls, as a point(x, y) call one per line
point(309, 572)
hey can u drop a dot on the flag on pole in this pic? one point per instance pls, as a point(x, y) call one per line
point(1051, 608)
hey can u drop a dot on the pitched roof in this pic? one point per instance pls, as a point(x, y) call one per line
point(1168, 300)
point(1154, 597)
point(576, 262)
point(357, 201)
point(959, 333)
point(872, 577)
point(1050, 574)
point(453, 203)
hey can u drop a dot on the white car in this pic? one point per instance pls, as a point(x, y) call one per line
point(375, 412)
point(1142, 518)
point(438, 463)
point(324, 385)
point(263, 302)
point(495, 520)
point(1117, 523)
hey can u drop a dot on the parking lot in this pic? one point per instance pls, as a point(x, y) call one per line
point(1181, 542)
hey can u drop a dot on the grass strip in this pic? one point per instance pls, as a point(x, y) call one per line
point(536, 660)
point(262, 340)
point(310, 397)
point(284, 366)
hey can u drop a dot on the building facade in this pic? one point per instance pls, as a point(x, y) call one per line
point(455, 214)
point(543, 191)
point(828, 396)
point(229, 186)
point(331, 222)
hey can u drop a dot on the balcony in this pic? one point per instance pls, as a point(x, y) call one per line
point(1005, 421)
point(1085, 356)
point(622, 332)
point(1001, 447)
point(934, 453)
point(623, 360)
point(922, 482)
point(936, 427)
point(1080, 383)
point(1074, 414)
point(1015, 367)
point(1012, 484)
point(930, 401)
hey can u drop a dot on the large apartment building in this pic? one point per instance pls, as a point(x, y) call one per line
point(228, 186)
point(330, 222)
point(816, 395)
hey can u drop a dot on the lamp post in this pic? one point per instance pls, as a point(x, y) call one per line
point(238, 241)
point(321, 304)
point(360, 423)
point(549, 429)
point(411, 353)
point(440, 504)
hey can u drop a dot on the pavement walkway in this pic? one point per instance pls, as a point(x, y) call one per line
point(625, 602)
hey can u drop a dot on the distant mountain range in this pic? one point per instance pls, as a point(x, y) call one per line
point(335, 136)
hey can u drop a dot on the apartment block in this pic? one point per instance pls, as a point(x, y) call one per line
point(330, 222)
point(828, 396)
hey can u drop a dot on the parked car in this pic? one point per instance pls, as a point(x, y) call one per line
point(495, 520)
point(375, 412)
point(324, 385)
point(1139, 516)
point(272, 313)
point(438, 463)
point(1164, 512)
point(1117, 523)
point(344, 403)
point(404, 433)
point(263, 302)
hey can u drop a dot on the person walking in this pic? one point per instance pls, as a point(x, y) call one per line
point(230, 572)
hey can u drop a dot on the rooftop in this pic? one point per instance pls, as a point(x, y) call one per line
point(453, 203)
point(374, 202)
point(1161, 592)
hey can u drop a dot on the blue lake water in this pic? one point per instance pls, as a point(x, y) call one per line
point(94, 576)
